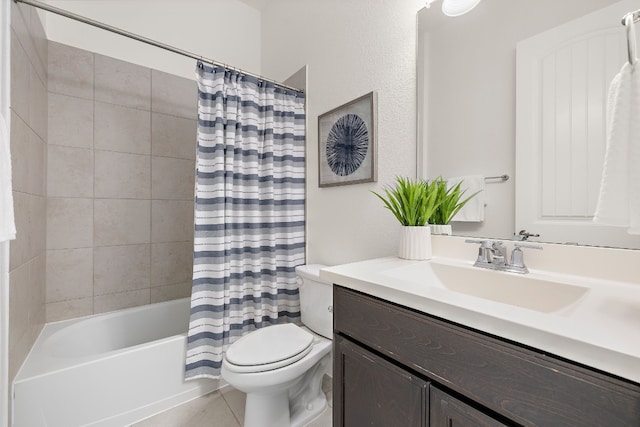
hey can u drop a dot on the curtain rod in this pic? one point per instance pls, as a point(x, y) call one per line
point(146, 40)
point(635, 16)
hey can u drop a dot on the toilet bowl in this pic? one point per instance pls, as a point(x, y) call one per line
point(281, 367)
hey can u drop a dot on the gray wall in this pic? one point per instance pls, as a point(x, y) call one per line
point(122, 142)
point(28, 158)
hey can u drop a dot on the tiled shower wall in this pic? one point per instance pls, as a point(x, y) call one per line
point(120, 177)
point(28, 158)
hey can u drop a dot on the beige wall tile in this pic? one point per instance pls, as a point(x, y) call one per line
point(119, 301)
point(19, 153)
point(173, 136)
point(172, 179)
point(27, 258)
point(121, 268)
point(26, 309)
point(70, 71)
point(18, 303)
point(69, 223)
point(171, 263)
point(22, 20)
point(37, 233)
point(20, 79)
point(69, 172)
point(19, 23)
point(38, 105)
point(40, 42)
point(174, 95)
point(30, 214)
point(121, 222)
point(19, 248)
point(28, 154)
point(123, 129)
point(17, 353)
point(69, 274)
point(70, 121)
point(36, 165)
point(121, 175)
point(171, 221)
point(70, 309)
point(122, 83)
point(170, 292)
point(37, 287)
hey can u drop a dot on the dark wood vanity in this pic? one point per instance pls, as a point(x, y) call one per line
point(395, 366)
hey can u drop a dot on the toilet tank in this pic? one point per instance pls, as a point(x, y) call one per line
point(316, 300)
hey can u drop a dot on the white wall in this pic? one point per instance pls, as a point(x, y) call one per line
point(470, 94)
point(227, 31)
point(350, 48)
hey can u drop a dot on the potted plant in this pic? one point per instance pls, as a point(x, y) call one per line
point(412, 202)
point(449, 204)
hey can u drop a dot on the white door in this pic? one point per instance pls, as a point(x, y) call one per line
point(563, 77)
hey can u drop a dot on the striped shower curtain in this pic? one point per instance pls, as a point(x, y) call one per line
point(249, 213)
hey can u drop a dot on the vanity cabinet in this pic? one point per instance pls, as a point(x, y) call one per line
point(446, 410)
point(377, 392)
point(394, 366)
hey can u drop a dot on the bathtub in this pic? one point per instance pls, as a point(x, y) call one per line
point(109, 369)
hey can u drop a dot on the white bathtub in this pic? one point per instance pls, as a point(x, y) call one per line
point(107, 370)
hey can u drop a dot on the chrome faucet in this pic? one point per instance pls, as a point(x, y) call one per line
point(499, 251)
point(516, 264)
point(493, 254)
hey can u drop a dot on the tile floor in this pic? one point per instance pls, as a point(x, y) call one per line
point(222, 408)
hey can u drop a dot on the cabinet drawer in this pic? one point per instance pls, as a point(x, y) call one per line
point(525, 386)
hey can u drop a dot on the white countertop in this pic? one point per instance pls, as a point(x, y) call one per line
point(601, 329)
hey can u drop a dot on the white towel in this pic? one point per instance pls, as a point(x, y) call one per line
point(473, 211)
point(619, 198)
point(7, 222)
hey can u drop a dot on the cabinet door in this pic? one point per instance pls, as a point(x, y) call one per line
point(447, 411)
point(369, 391)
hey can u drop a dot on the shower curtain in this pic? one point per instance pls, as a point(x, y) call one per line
point(249, 213)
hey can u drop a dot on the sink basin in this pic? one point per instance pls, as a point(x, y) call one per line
point(524, 291)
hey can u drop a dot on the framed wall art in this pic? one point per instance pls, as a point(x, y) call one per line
point(347, 143)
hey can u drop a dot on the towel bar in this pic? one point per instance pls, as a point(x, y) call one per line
point(628, 21)
point(503, 178)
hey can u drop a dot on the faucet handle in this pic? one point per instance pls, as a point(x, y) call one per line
point(484, 243)
point(517, 257)
point(528, 246)
point(484, 252)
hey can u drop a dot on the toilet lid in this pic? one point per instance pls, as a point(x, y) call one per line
point(269, 348)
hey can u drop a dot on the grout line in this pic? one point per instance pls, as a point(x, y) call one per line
point(229, 406)
point(93, 225)
point(150, 182)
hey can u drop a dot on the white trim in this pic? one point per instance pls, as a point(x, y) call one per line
point(5, 90)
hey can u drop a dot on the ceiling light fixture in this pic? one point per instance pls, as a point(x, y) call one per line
point(455, 7)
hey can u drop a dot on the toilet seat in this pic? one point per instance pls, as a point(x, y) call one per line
point(268, 348)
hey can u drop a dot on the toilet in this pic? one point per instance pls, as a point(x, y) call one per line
point(281, 367)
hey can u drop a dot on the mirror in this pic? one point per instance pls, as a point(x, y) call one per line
point(467, 101)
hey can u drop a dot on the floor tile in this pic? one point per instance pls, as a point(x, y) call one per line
point(206, 411)
point(221, 408)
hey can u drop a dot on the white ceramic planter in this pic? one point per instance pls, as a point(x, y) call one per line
point(415, 243)
point(439, 229)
